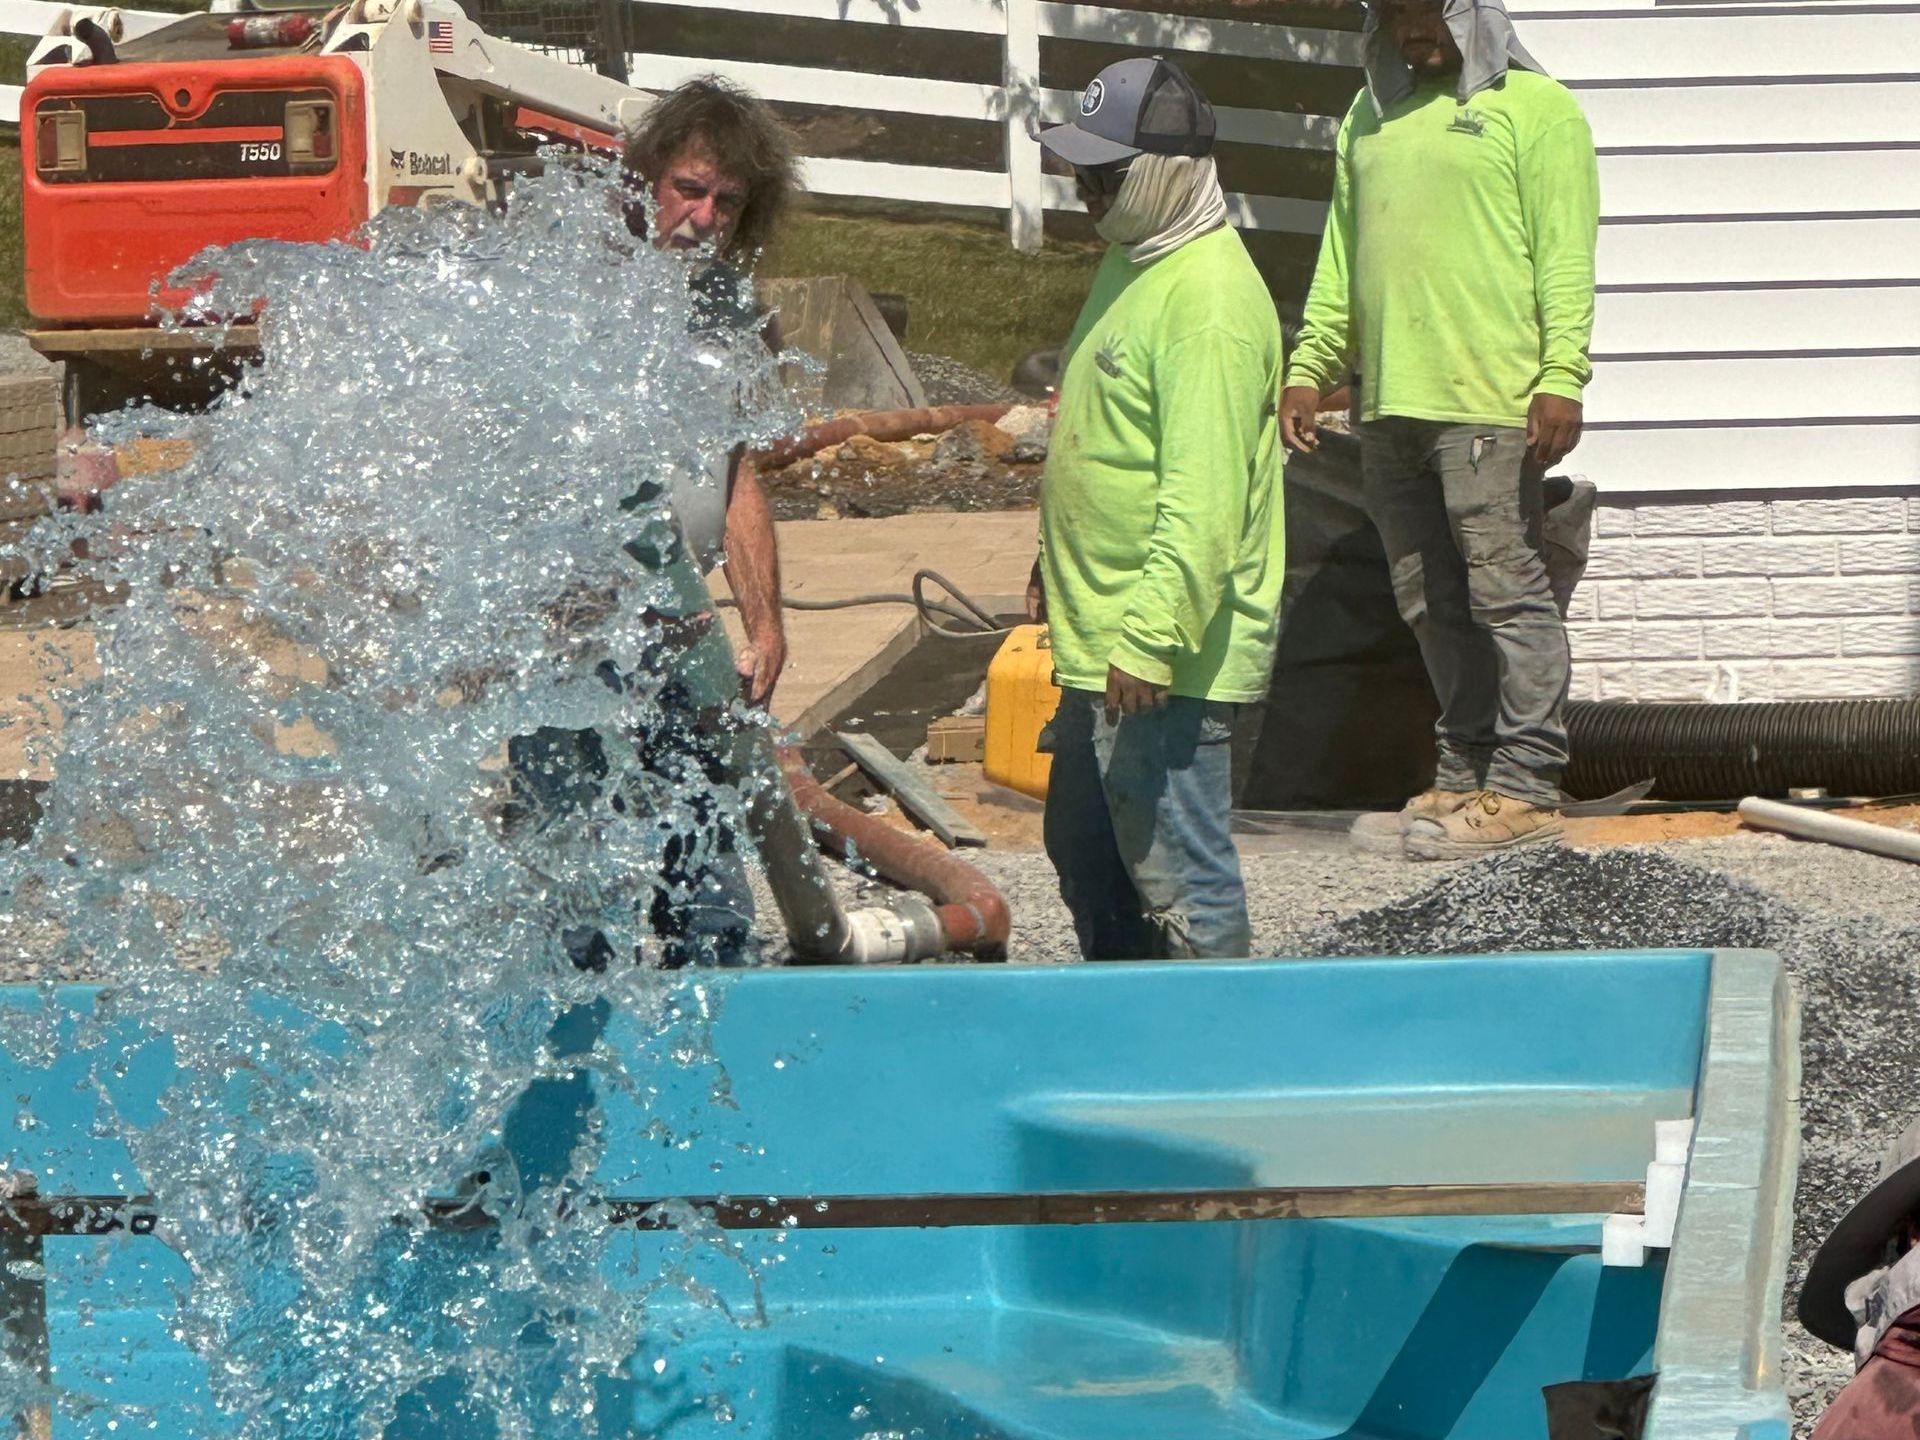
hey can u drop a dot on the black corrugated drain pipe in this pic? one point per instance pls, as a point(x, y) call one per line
point(1727, 752)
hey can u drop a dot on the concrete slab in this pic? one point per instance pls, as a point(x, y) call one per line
point(833, 654)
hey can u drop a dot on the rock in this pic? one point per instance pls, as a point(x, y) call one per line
point(993, 441)
point(1031, 427)
point(1023, 420)
point(865, 450)
point(971, 445)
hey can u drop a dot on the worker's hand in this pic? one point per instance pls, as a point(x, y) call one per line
point(1129, 694)
point(1037, 596)
point(1553, 428)
point(760, 662)
point(1299, 404)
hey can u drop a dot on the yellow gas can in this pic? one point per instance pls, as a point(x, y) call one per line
point(1021, 698)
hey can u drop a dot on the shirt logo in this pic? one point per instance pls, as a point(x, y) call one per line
point(1108, 359)
point(1469, 122)
point(1090, 102)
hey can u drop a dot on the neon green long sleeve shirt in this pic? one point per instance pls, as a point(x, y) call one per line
point(1456, 271)
point(1161, 524)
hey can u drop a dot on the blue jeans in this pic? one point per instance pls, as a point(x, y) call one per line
point(1139, 827)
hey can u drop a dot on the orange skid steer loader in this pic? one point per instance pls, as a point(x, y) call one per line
point(141, 150)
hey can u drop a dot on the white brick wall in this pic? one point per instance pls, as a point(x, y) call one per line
point(1788, 599)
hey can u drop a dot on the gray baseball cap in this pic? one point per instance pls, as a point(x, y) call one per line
point(1135, 107)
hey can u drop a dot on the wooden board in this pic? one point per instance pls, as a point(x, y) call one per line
point(25, 495)
point(916, 797)
point(1146, 1207)
point(140, 339)
point(957, 739)
point(833, 319)
point(14, 531)
point(101, 1214)
point(62, 603)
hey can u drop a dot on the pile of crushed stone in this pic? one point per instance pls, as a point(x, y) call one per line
point(1858, 980)
point(1553, 899)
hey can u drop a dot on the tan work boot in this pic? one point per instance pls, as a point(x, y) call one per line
point(1385, 831)
point(1488, 823)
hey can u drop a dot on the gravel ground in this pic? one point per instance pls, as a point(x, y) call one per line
point(949, 382)
point(1847, 926)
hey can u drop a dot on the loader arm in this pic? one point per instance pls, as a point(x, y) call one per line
point(460, 51)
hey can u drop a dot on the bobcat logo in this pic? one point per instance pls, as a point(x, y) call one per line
point(397, 158)
point(1469, 122)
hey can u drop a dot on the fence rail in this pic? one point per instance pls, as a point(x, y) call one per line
point(1018, 102)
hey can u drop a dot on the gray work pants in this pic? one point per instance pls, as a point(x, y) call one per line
point(1459, 509)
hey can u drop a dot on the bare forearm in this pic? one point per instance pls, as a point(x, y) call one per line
point(753, 556)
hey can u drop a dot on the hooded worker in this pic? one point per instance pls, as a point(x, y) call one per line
point(1862, 1293)
point(1160, 529)
point(1481, 31)
point(1455, 286)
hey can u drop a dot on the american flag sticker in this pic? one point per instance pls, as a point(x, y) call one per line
point(440, 37)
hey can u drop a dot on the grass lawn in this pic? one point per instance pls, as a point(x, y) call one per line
point(969, 293)
point(13, 299)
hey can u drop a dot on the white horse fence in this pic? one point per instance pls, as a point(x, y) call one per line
point(1015, 100)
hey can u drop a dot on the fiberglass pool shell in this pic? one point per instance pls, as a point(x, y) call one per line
point(1334, 1072)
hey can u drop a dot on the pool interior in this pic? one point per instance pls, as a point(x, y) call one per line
point(1149, 1077)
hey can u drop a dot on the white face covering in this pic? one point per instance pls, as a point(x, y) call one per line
point(1165, 201)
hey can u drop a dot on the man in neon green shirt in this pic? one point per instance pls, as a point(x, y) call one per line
point(1161, 540)
point(1456, 278)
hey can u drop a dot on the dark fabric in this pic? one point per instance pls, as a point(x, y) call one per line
point(1599, 1409)
point(723, 303)
point(1175, 118)
point(1901, 1343)
point(1882, 1402)
point(554, 773)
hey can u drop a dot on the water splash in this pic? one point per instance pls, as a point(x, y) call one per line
point(278, 834)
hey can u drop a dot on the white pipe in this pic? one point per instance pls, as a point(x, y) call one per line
point(1832, 829)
